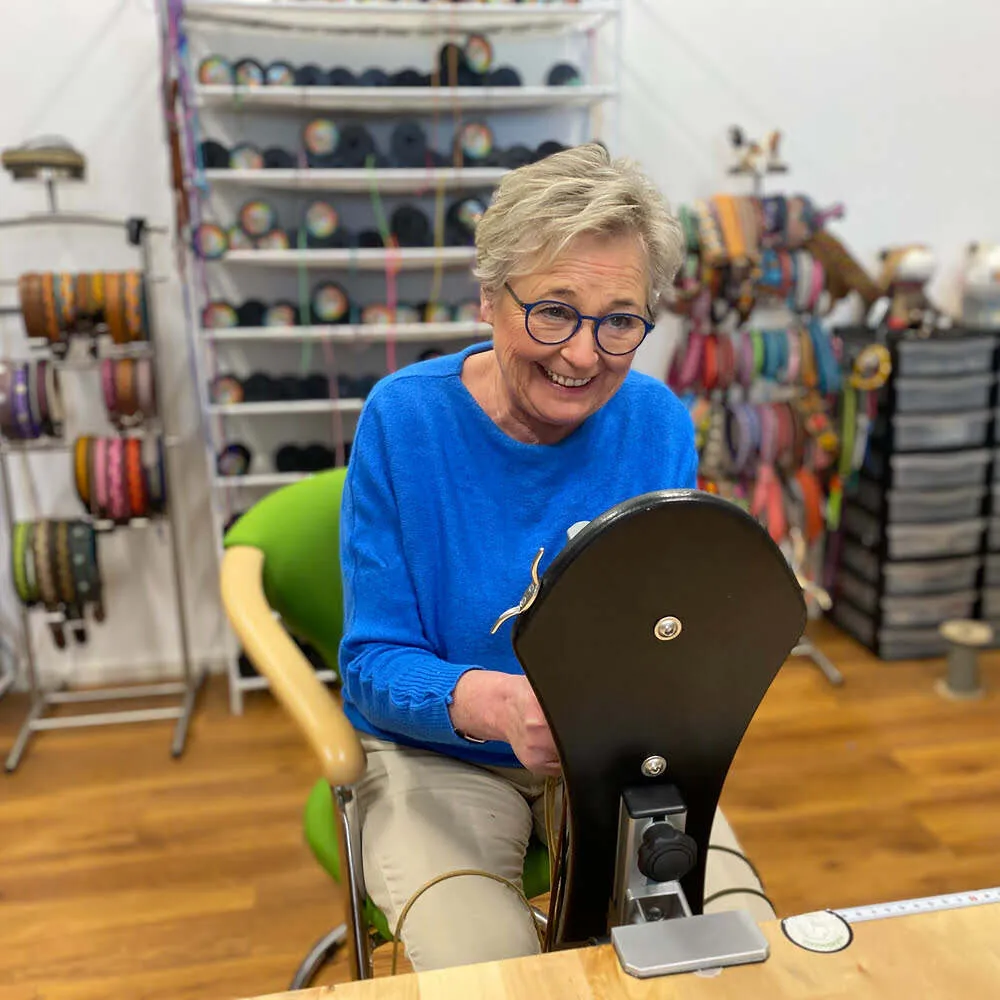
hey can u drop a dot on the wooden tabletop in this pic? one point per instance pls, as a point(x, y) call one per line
point(947, 954)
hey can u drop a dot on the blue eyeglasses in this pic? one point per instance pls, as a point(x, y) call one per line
point(551, 322)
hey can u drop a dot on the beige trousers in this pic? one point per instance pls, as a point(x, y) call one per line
point(424, 814)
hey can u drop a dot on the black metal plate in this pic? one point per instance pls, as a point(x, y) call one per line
point(614, 694)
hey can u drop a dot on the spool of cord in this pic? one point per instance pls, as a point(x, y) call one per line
point(214, 156)
point(233, 460)
point(226, 390)
point(276, 239)
point(329, 303)
point(219, 315)
point(276, 158)
point(435, 312)
point(257, 217)
point(548, 148)
point(281, 314)
point(321, 221)
point(288, 458)
point(248, 73)
point(478, 54)
point(289, 387)
point(374, 77)
point(461, 221)
point(468, 312)
point(251, 313)
point(409, 78)
point(341, 77)
point(346, 388)
point(364, 384)
point(280, 74)
point(475, 142)
point(245, 156)
point(505, 76)
point(564, 75)
point(517, 156)
point(215, 71)
point(354, 147)
point(315, 387)
point(408, 144)
point(238, 240)
point(430, 353)
point(411, 227)
point(310, 75)
point(210, 241)
point(370, 239)
point(319, 139)
point(453, 66)
point(317, 457)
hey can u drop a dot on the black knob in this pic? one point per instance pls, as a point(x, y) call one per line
point(666, 854)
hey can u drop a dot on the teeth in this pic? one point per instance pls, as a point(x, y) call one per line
point(571, 383)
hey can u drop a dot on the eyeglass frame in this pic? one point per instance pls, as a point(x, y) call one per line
point(596, 320)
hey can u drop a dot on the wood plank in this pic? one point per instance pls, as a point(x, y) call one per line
point(126, 873)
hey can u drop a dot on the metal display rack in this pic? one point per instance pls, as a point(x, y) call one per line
point(214, 21)
point(37, 719)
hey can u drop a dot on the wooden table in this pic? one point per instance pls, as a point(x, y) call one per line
point(948, 954)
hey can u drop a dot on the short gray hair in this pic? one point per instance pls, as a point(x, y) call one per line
point(539, 208)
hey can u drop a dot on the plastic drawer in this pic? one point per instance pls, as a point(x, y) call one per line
point(968, 356)
point(919, 431)
point(937, 395)
point(991, 603)
point(890, 643)
point(901, 579)
point(904, 612)
point(919, 541)
point(934, 472)
point(921, 506)
point(992, 576)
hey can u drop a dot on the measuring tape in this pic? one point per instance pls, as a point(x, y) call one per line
point(928, 904)
point(830, 930)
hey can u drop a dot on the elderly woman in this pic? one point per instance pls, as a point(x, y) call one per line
point(461, 469)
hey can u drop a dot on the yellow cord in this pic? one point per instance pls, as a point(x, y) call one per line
point(441, 878)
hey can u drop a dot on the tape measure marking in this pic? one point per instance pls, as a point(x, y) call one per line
point(926, 904)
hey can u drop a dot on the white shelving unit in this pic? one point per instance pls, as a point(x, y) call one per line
point(405, 17)
point(348, 334)
point(338, 30)
point(388, 181)
point(405, 259)
point(399, 100)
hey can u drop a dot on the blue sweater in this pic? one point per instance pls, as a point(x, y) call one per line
point(442, 515)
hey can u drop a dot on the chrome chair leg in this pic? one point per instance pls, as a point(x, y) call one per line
point(320, 953)
point(349, 836)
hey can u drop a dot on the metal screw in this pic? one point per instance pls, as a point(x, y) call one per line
point(667, 628)
point(654, 766)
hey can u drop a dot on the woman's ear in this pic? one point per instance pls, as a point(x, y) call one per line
point(485, 306)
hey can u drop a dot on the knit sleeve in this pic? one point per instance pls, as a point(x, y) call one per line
point(390, 672)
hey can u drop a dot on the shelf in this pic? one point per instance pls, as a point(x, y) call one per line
point(400, 100)
point(260, 480)
point(387, 181)
point(404, 259)
point(261, 684)
point(351, 334)
point(402, 16)
point(286, 406)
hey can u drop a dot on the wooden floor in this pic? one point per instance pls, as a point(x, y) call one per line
point(126, 874)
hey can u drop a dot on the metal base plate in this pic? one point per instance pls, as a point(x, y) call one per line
point(666, 947)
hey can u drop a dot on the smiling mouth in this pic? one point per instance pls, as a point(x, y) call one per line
point(567, 383)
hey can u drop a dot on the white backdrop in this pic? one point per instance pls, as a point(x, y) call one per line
point(892, 111)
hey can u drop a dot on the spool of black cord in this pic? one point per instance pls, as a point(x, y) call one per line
point(548, 148)
point(517, 156)
point(461, 221)
point(310, 75)
point(374, 77)
point(316, 387)
point(251, 313)
point(564, 75)
point(276, 158)
point(412, 227)
point(341, 77)
point(370, 239)
point(503, 76)
point(354, 147)
point(214, 156)
point(408, 145)
point(408, 78)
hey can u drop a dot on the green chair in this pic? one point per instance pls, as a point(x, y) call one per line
point(282, 556)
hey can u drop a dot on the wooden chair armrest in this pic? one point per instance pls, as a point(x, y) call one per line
point(292, 678)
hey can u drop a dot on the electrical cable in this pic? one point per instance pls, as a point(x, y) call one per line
point(741, 856)
point(735, 892)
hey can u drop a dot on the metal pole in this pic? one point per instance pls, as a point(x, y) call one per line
point(161, 395)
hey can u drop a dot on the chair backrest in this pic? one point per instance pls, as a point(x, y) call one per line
point(298, 530)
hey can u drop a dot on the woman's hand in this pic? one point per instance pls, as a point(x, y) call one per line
point(490, 705)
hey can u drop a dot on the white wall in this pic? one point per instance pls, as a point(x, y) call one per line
point(90, 72)
point(890, 109)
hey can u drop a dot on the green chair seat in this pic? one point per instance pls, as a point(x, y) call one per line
point(321, 835)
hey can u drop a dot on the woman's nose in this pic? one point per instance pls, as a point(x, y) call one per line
point(581, 349)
